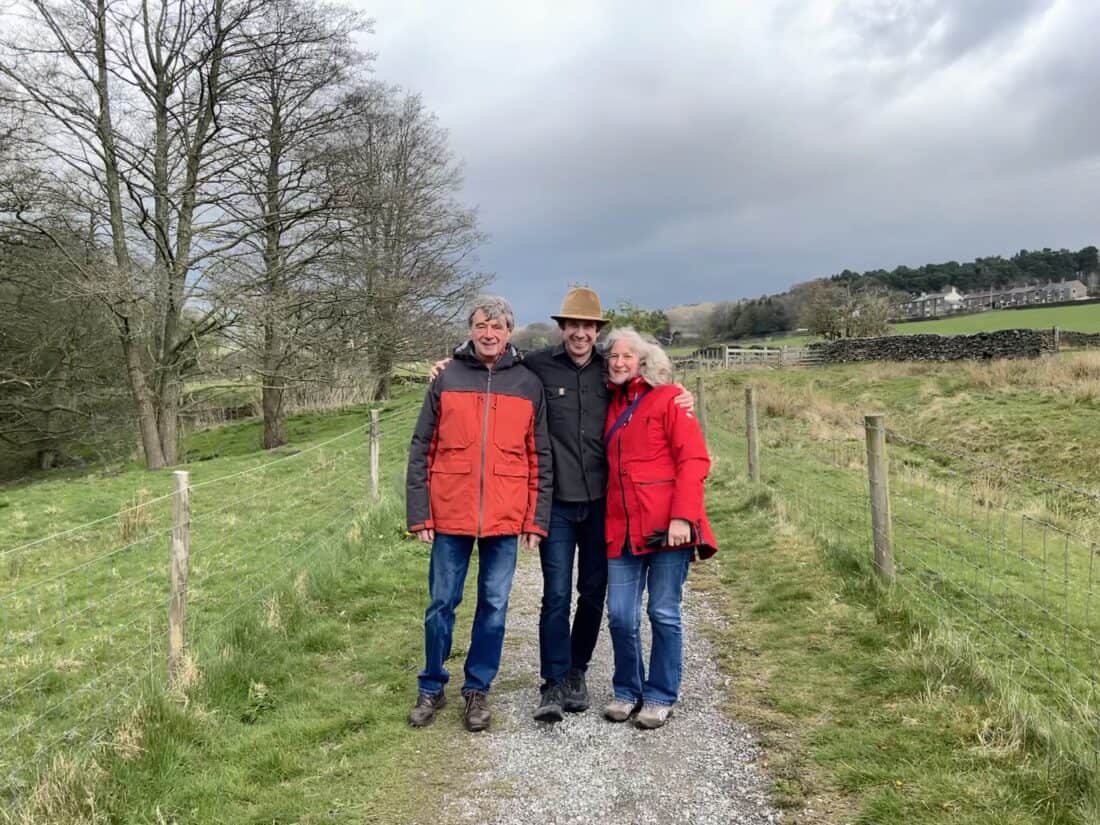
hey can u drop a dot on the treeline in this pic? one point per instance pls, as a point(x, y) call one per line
point(856, 302)
point(1025, 267)
point(209, 191)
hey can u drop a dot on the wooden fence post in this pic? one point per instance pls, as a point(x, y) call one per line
point(750, 430)
point(701, 404)
point(179, 565)
point(1057, 340)
point(878, 475)
point(375, 437)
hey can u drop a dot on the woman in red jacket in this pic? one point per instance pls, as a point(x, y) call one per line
point(656, 523)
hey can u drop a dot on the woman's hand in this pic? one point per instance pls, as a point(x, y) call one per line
point(679, 532)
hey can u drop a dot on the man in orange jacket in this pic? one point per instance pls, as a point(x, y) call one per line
point(479, 468)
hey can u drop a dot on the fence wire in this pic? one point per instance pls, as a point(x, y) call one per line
point(1003, 560)
point(83, 610)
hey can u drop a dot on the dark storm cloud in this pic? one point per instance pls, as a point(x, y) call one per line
point(734, 150)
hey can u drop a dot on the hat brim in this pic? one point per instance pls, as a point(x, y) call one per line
point(560, 318)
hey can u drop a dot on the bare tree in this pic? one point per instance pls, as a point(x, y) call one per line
point(61, 393)
point(130, 93)
point(406, 246)
point(302, 60)
point(835, 311)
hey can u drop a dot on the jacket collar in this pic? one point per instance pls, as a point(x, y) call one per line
point(632, 388)
point(465, 352)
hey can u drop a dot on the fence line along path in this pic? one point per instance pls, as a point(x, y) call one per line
point(92, 616)
point(1004, 561)
point(700, 768)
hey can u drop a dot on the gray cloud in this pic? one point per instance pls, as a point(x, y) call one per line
point(733, 149)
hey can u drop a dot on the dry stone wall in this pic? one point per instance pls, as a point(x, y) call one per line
point(1009, 343)
point(1080, 340)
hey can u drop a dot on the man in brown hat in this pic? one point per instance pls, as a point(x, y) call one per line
point(574, 378)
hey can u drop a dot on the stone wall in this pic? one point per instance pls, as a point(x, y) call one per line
point(1009, 343)
point(1079, 340)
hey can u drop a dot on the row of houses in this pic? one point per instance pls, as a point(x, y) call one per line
point(951, 300)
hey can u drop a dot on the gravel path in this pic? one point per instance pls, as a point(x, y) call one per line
point(699, 768)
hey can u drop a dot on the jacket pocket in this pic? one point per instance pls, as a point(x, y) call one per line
point(510, 420)
point(507, 495)
point(458, 423)
point(451, 489)
point(653, 504)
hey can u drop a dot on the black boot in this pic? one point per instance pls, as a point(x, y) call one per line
point(550, 706)
point(575, 693)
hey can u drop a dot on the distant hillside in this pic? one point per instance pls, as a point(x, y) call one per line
point(691, 319)
point(786, 311)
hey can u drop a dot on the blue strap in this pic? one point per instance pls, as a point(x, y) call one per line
point(623, 418)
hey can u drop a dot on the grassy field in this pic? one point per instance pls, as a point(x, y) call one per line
point(1083, 318)
point(965, 693)
point(919, 704)
point(305, 607)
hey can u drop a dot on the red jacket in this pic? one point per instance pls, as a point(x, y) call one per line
point(658, 464)
point(479, 461)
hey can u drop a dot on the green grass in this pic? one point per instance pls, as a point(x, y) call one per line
point(305, 611)
point(924, 704)
point(1083, 318)
point(873, 706)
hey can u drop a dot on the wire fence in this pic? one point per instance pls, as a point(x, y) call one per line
point(84, 611)
point(1004, 561)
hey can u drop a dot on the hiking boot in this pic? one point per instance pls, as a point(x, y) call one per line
point(619, 710)
point(423, 712)
point(652, 716)
point(575, 693)
point(550, 705)
point(477, 715)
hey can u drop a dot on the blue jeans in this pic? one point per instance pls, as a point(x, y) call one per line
point(573, 527)
point(663, 573)
point(446, 581)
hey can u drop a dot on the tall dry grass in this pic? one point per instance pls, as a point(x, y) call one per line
point(1073, 375)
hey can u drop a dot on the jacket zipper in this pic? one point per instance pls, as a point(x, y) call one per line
point(484, 447)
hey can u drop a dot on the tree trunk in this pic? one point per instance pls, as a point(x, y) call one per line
point(168, 420)
point(147, 414)
point(274, 422)
point(381, 368)
point(382, 386)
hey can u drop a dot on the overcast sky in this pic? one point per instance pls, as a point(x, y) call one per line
point(729, 149)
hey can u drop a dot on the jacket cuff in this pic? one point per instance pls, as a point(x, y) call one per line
point(416, 528)
point(534, 528)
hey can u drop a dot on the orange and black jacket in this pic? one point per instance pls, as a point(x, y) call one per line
point(479, 462)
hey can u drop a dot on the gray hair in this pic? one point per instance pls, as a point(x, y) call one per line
point(494, 307)
point(656, 368)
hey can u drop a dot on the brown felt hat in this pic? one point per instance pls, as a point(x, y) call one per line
point(581, 304)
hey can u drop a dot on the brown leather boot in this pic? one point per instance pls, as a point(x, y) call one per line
point(423, 712)
point(478, 714)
